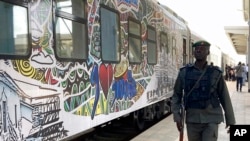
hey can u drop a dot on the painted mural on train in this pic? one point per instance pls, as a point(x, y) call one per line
point(39, 95)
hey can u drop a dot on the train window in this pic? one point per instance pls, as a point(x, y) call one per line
point(173, 48)
point(151, 43)
point(71, 30)
point(134, 28)
point(134, 39)
point(14, 29)
point(164, 42)
point(184, 44)
point(73, 7)
point(191, 51)
point(110, 34)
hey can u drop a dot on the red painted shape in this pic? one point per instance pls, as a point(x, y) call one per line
point(49, 78)
point(106, 76)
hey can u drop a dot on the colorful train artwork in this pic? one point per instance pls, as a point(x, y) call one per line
point(67, 66)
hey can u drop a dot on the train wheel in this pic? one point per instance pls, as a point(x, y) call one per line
point(139, 120)
point(167, 107)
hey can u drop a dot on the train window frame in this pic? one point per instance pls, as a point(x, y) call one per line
point(110, 53)
point(151, 42)
point(134, 37)
point(26, 38)
point(79, 23)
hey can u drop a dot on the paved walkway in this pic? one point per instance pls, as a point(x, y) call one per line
point(166, 129)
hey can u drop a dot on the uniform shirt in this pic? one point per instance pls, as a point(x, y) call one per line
point(209, 114)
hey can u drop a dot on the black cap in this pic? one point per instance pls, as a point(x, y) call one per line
point(201, 43)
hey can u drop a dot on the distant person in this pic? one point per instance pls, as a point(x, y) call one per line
point(202, 90)
point(231, 74)
point(239, 73)
point(247, 72)
point(227, 72)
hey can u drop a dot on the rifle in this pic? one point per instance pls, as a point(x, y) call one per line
point(182, 113)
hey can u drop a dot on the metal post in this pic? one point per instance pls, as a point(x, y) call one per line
point(248, 49)
point(248, 44)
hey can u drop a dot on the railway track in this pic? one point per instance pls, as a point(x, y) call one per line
point(119, 130)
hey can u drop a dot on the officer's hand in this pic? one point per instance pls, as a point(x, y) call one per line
point(179, 126)
point(228, 128)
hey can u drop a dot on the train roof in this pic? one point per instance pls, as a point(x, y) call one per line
point(168, 11)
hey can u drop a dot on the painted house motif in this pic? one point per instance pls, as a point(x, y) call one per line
point(23, 117)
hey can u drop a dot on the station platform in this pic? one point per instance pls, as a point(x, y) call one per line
point(166, 129)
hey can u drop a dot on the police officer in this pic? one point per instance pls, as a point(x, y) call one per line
point(204, 93)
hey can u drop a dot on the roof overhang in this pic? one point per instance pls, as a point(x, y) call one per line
point(238, 37)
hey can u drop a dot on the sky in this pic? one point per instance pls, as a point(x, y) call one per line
point(208, 18)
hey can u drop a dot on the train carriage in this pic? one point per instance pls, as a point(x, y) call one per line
point(70, 65)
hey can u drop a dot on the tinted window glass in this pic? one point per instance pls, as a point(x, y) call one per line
point(13, 29)
point(71, 32)
point(110, 35)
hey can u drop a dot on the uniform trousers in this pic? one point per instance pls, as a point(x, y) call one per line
point(202, 131)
